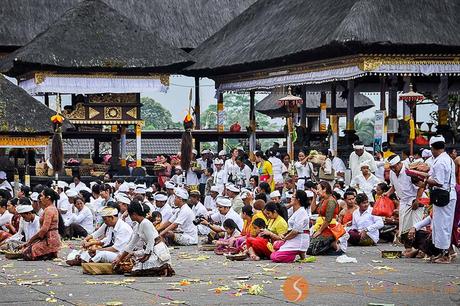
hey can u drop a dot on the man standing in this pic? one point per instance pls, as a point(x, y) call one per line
point(358, 157)
point(410, 212)
point(442, 181)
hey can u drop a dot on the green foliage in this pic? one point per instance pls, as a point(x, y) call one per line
point(156, 117)
point(365, 130)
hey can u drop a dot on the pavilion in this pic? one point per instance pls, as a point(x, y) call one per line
point(330, 46)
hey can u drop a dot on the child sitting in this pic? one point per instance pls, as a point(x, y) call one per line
point(226, 244)
point(258, 247)
point(156, 219)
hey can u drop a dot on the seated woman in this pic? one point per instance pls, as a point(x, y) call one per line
point(227, 243)
point(258, 247)
point(297, 239)
point(81, 221)
point(327, 229)
point(276, 216)
point(150, 254)
point(28, 226)
point(46, 243)
point(13, 226)
point(345, 216)
point(5, 219)
point(364, 230)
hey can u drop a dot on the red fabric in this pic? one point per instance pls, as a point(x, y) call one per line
point(347, 217)
point(383, 207)
point(322, 213)
point(259, 245)
point(455, 233)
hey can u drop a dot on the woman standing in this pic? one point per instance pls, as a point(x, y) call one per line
point(46, 243)
point(265, 170)
point(304, 169)
point(324, 239)
point(151, 256)
point(297, 239)
point(277, 166)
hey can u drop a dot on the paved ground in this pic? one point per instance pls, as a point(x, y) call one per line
point(371, 280)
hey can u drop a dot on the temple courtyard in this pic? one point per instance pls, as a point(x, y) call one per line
point(203, 278)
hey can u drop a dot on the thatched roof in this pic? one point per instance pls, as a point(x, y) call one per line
point(94, 37)
point(20, 113)
point(180, 23)
point(269, 105)
point(274, 33)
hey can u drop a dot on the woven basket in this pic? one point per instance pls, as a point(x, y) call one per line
point(97, 173)
point(85, 170)
point(100, 168)
point(40, 171)
point(68, 171)
point(97, 268)
point(86, 161)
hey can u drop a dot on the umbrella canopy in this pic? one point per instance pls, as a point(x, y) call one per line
point(270, 106)
point(93, 37)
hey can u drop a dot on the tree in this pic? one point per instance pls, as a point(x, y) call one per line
point(236, 109)
point(454, 115)
point(365, 130)
point(156, 117)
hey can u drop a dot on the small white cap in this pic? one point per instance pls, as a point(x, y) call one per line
point(205, 151)
point(123, 199)
point(244, 194)
point(394, 160)
point(34, 196)
point(131, 185)
point(124, 187)
point(139, 190)
point(233, 188)
point(218, 161)
point(275, 194)
point(358, 147)
point(215, 189)
point(161, 197)
point(150, 189)
point(2, 175)
point(364, 164)
point(21, 209)
point(181, 193)
point(62, 184)
point(426, 153)
point(71, 193)
point(194, 152)
point(222, 153)
point(309, 194)
point(437, 138)
point(108, 212)
point(224, 202)
point(170, 185)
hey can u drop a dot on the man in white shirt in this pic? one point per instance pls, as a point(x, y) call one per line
point(220, 176)
point(225, 212)
point(4, 184)
point(170, 193)
point(180, 229)
point(338, 165)
point(359, 156)
point(410, 212)
point(364, 230)
point(210, 200)
point(442, 181)
point(231, 168)
point(29, 225)
point(365, 182)
point(199, 210)
point(63, 204)
point(113, 237)
point(5, 215)
point(244, 173)
point(162, 207)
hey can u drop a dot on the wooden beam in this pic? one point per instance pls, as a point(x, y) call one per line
point(383, 89)
point(303, 107)
point(351, 105)
point(252, 121)
point(197, 104)
point(220, 112)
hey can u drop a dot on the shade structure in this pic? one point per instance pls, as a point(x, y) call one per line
point(92, 37)
point(276, 33)
point(269, 105)
point(180, 23)
point(24, 121)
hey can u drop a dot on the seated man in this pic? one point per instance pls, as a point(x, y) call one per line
point(364, 230)
point(105, 243)
point(180, 228)
point(29, 225)
point(224, 206)
point(81, 222)
point(199, 211)
point(210, 200)
point(162, 206)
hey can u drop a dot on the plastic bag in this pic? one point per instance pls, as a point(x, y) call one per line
point(383, 207)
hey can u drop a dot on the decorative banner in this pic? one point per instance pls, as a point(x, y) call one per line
point(378, 130)
point(322, 117)
point(220, 117)
point(138, 145)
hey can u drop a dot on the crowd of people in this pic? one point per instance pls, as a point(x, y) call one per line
point(261, 206)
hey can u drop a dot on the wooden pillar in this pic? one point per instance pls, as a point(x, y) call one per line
point(350, 126)
point(47, 100)
point(443, 108)
point(197, 111)
point(406, 108)
point(252, 121)
point(383, 89)
point(323, 113)
point(393, 102)
point(115, 148)
point(96, 150)
point(138, 145)
point(303, 107)
point(220, 112)
point(123, 145)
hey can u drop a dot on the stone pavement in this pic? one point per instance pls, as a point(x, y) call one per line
point(203, 278)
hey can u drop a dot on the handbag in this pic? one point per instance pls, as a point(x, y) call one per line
point(440, 197)
point(383, 207)
point(326, 177)
point(161, 250)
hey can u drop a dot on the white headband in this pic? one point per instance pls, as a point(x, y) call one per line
point(394, 161)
